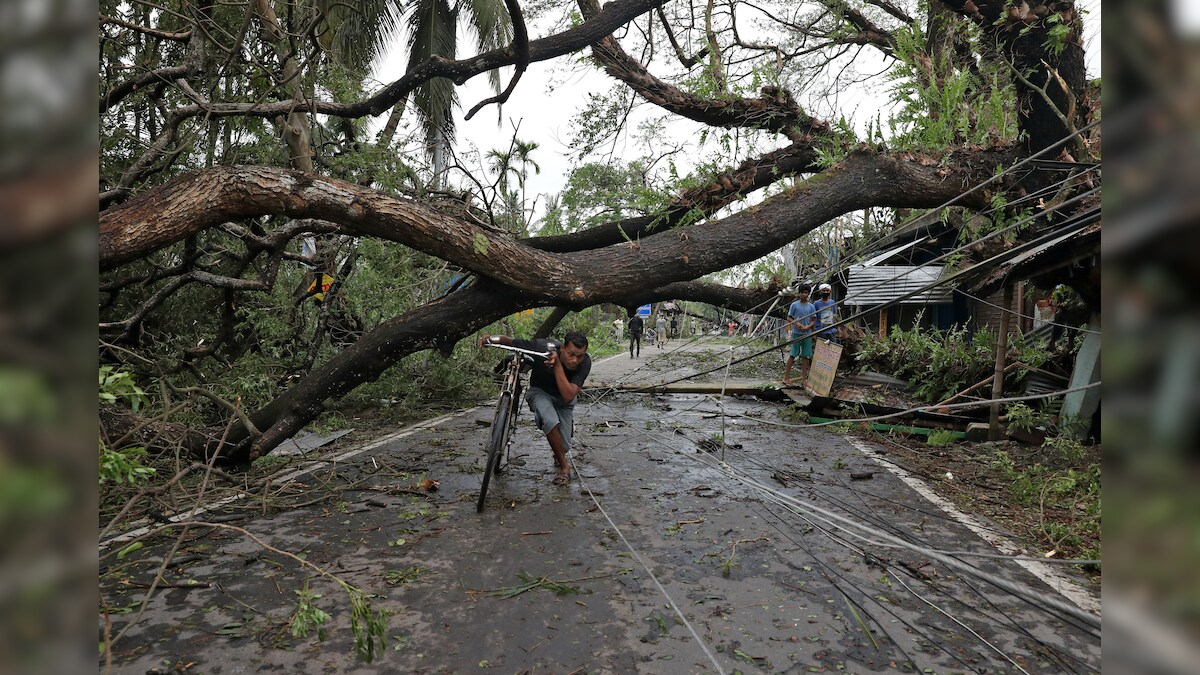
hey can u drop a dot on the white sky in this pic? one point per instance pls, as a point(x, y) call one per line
point(548, 97)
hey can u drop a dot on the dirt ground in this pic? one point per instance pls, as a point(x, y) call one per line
point(666, 556)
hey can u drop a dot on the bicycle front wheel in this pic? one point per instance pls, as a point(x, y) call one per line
point(499, 437)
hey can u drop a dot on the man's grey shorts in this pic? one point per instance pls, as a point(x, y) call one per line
point(549, 412)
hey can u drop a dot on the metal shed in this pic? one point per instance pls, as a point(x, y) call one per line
point(868, 286)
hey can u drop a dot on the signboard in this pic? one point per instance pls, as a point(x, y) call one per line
point(825, 359)
point(326, 282)
point(643, 311)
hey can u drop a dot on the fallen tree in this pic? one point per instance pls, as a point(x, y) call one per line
point(626, 261)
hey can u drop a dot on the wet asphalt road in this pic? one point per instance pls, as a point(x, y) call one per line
point(660, 559)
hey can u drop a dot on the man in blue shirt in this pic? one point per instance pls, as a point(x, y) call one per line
point(554, 383)
point(802, 321)
point(826, 313)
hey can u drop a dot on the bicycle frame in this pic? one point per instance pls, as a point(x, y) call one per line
point(507, 406)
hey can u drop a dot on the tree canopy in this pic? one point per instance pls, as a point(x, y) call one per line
point(241, 166)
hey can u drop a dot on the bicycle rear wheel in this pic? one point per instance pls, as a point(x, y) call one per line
point(501, 425)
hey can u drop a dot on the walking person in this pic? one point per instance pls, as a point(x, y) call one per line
point(636, 326)
point(802, 321)
point(554, 383)
point(618, 329)
point(660, 330)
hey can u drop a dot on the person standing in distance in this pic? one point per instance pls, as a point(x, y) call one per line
point(636, 326)
point(660, 330)
point(802, 321)
point(826, 313)
point(554, 383)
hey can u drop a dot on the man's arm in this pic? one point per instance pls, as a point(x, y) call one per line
point(566, 388)
point(495, 339)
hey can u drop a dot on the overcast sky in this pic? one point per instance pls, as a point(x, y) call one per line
point(550, 94)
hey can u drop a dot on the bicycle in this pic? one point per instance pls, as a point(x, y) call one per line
point(507, 407)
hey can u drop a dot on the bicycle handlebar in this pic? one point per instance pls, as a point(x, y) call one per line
point(517, 349)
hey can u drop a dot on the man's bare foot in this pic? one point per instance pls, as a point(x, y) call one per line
point(563, 477)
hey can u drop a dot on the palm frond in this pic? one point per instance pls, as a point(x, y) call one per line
point(433, 31)
point(357, 31)
point(492, 27)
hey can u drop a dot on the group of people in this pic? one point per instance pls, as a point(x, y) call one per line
point(806, 321)
point(663, 330)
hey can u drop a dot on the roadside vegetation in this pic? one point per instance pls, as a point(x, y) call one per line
point(1046, 489)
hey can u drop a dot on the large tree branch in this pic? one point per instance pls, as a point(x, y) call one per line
point(692, 204)
point(775, 111)
point(730, 297)
point(194, 202)
point(158, 76)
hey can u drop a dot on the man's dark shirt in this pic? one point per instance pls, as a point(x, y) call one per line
point(636, 325)
point(542, 376)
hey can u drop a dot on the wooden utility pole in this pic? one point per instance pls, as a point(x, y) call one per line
point(994, 431)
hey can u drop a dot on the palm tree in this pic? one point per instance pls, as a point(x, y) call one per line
point(522, 151)
point(501, 163)
point(433, 27)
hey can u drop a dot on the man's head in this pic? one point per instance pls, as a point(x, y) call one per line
point(824, 290)
point(803, 291)
point(575, 345)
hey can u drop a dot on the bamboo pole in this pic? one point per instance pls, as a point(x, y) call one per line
point(1007, 369)
point(994, 431)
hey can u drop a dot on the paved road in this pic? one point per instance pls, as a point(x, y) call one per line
point(666, 557)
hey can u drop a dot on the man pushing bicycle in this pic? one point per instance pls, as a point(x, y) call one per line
point(554, 382)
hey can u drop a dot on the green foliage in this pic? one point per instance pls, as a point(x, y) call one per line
point(1021, 416)
point(307, 616)
point(940, 104)
point(939, 364)
point(119, 385)
point(368, 625)
point(1064, 476)
point(600, 119)
point(403, 576)
point(124, 465)
point(941, 438)
point(28, 493)
point(602, 192)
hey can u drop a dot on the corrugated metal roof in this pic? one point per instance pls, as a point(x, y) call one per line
point(894, 252)
point(874, 285)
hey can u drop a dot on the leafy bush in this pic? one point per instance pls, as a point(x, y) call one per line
point(937, 364)
point(940, 364)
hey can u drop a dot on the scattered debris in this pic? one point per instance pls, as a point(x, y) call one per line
point(305, 442)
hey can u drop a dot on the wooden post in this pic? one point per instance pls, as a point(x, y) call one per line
point(994, 432)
